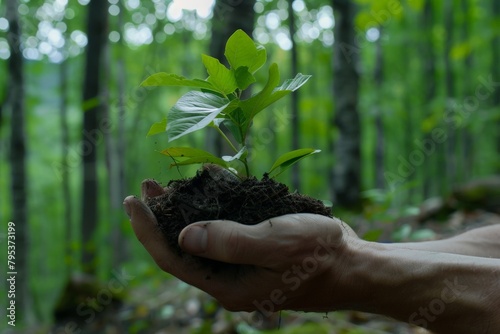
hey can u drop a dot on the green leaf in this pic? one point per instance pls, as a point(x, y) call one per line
point(194, 111)
point(242, 51)
point(167, 79)
point(290, 158)
point(243, 77)
point(295, 83)
point(219, 75)
point(241, 153)
point(270, 94)
point(158, 127)
point(192, 156)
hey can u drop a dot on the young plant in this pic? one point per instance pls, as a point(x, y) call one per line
point(217, 101)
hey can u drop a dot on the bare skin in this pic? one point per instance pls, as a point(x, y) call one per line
point(313, 263)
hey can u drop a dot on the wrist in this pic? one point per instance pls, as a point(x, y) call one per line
point(432, 290)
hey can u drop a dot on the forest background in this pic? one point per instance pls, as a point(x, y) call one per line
point(404, 103)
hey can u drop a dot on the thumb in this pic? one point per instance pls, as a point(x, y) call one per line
point(226, 241)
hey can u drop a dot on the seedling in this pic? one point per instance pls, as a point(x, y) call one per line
point(217, 101)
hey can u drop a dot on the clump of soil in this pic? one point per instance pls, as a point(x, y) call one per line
point(215, 193)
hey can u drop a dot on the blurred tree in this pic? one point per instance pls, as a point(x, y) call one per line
point(378, 78)
point(449, 26)
point(347, 172)
point(428, 57)
point(294, 106)
point(65, 182)
point(92, 133)
point(467, 157)
point(495, 71)
point(18, 175)
point(228, 16)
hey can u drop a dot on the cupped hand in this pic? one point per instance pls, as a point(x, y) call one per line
point(292, 262)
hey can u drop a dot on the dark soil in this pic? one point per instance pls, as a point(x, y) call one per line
point(215, 193)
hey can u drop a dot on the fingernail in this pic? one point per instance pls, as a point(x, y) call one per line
point(194, 240)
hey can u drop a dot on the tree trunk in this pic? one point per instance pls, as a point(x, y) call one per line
point(408, 105)
point(429, 83)
point(450, 94)
point(467, 138)
point(347, 171)
point(495, 72)
point(294, 97)
point(120, 246)
point(92, 134)
point(65, 183)
point(17, 156)
point(228, 16)
point(378, 77)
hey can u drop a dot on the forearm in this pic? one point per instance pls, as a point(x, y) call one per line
point(483, 242)
point(446, 293)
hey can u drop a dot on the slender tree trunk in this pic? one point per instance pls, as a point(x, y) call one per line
point(92, 134)
point(294, 97)
point(450, 93)
point(467, 137)
point(495, 72)
point(429, 83)
point(378, 77)
point(228, 16)
point(408, 105)
point(347, 171)
point(121, 252)
point(18, 175)
point(65, 183)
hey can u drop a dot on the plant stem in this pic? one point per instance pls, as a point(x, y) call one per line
point(247, 170)
point(226, 139)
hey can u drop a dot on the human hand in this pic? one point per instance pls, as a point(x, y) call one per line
point(292, 262)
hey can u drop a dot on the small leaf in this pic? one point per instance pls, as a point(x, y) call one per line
point(192, 156)
point(237, 156)
point(258, 102)
point(243, 77)
point(194, 111)
point(295, 83)
point(270, 93)
point(167, 79)
point(158, 127)
point(290, 158)
point(241, 51)
point(220, 76)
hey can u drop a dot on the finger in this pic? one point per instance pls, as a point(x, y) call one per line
point(151, 188)
point(146, 230)
point(232, 242)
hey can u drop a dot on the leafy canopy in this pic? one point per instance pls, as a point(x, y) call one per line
point(217, 100)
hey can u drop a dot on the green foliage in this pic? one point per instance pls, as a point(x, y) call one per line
point(218, 102)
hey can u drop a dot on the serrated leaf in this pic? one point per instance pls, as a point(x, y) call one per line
point(194, 111)
point(158, 127)
point(168, 79)
point(192, 156)
point(290, 158)
point(241, 51)
point(219, 75)
point(243, 77)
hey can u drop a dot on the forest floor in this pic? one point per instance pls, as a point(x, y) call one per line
point(167, 305)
